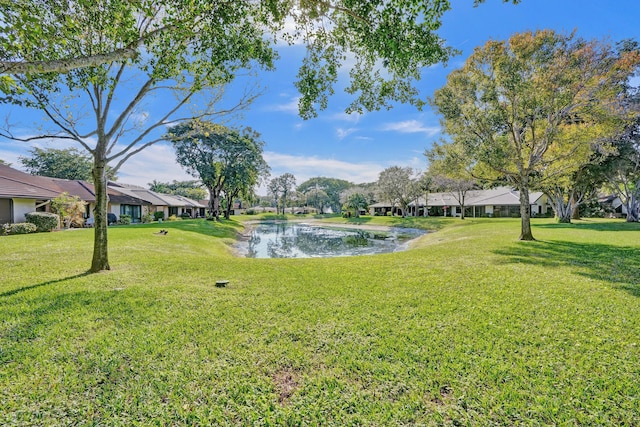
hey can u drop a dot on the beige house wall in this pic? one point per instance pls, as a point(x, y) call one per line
point(21, 207)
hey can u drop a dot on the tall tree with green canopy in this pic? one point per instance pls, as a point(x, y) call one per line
point(56, 55)
point(281, 187)
point(317, 198)
point(67, 163)
point(225, 160)
point(332, 188)
point(397, 186)
point(354, 200)
point(520, 106)
point(622, 171)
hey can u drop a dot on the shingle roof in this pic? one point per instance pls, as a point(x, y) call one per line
point(82, 189)
point(157, 199)
point(21, 185)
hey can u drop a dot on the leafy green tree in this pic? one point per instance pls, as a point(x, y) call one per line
point(622, 171)
point(67, 163)
point(245, 172)
point(192, 189)
point(518, 106)
point(332, 187)
point(281, 187)
point(397, 186)
point(225, 160)
point(2, 162)
point(356, 202)
point(317, 198)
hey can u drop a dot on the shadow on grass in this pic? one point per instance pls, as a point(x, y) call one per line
point(39, 285)
point(595, 225)
point(618, 265)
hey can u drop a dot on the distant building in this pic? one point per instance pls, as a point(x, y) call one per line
point(496, 202)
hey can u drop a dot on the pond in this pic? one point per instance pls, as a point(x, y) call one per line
point(299, 240)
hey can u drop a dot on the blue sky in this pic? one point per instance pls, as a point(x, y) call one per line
point(354, 147)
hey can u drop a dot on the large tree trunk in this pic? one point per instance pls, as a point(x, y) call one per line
point(215, 203)
point(633, 206)
point(426, 205)
point(525, 214)
point(562, 210)
point(100, 259)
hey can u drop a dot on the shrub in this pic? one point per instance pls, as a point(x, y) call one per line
point(173, 218)
point(158, 215)
point(20, 228)
point(250, 212)
point(147, 218)
point(70, 208)
point(185, 215)
point(44, 221)
point(125, 219)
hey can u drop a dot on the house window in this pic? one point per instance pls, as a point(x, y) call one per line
point(135, 211)
point(173, 211)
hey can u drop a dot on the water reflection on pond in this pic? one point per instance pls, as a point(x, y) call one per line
point(298, 240)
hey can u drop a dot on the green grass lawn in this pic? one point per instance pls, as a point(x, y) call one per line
point(469, 327)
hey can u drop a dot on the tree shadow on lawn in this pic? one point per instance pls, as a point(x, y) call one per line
point(595, 225)
point(38, 285)
point(618, 265)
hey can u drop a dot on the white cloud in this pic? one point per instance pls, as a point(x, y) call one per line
point(345, 117)
point(290, 107)
point(411, 126)
point(305, 167)
point(12, 158)
point(343, 133)
point(155, 162)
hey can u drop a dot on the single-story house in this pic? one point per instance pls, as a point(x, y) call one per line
point(21, 193)
point(613, 206)
point(170, 204)
point(496, 202)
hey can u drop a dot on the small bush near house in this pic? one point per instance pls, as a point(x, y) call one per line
point(147, 218)
point(44, 221)
point(173, 218)
point(185, 215)
point(250, 212)
point(158, 215)
point(20, 228)
point(70, 208)
point(125, 219)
